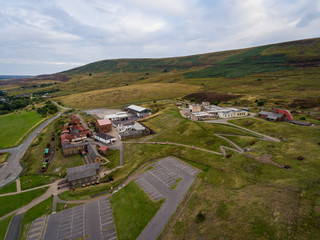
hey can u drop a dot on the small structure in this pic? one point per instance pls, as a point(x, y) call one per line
point(86, 174)
point(195, 108)
point(103, 150)
point(93, 155)
point(105, 138)
point(271, 116)
point(73, 149)
point(138, 130)
point(103, 125)
point(138, 111)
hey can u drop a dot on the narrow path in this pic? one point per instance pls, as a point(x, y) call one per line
point(18, 185)
point(176, 144)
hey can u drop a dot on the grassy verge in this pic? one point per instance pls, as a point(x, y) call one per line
point(176, 184)
point(113, 156)
point(14, 126)
point(43, 208)
point(13, 202)
point(4, 157)
point(12, 187)
point(4, 226)
point(132, 210)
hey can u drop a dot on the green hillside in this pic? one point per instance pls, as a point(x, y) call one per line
point(283, 74)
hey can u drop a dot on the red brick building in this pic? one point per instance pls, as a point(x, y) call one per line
point(103, 125)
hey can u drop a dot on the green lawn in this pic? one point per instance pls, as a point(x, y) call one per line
point(14, 126)
point(12, 187)
point(4, 225)
point(113, 156)
point(13, 202)
point(132, 210)
point(35, 180)
point(43, 208)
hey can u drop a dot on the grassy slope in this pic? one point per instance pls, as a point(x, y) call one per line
point(244, 199)
point(132, 210)
point(127, 94)
point(12, 202)
point(14, 126)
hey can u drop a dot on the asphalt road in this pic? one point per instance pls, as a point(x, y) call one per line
point(14, 229)
point(11, 171)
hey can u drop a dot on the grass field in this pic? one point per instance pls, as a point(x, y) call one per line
point(13, 202)
point(127, 94)
point(43, 208)
point(132, 210)
point(14, 126)
point(4, 226)
point(242, 198)
point(12, 187)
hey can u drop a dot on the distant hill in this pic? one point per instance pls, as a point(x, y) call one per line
point(281, 73)
point(13, 76)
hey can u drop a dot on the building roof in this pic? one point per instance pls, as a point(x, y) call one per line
point(92, 151)
point(117, 115)
point(138, 126)
point(83, 171)
point(271, 115)
point(137, 108)
point(104, 136)
point(104, 121)
point(83, 174)
point(103, 148)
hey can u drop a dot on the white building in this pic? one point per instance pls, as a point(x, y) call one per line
point(105, 138)
point(119, 116)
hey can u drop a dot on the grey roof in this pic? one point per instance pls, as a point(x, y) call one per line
point(81, 172)
point(137, 126)
point(92, 151)
point(68, 145)
point(271, 115)
point(131, 133)
point(105, 136)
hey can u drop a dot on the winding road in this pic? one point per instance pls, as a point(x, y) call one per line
point(13, 168)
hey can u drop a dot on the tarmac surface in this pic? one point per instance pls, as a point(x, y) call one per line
point(157, 182)
point(93, 220)
point(14, 229)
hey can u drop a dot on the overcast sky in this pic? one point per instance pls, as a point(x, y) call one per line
point(48, 36)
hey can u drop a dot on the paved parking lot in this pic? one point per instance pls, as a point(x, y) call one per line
point(157, 183)
point(37, 228)
point(93, 221)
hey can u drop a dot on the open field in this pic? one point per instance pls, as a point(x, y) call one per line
point(132, 210)
point(13, 126)
point(127, 94)
point(13, 202)
point(43, 208)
